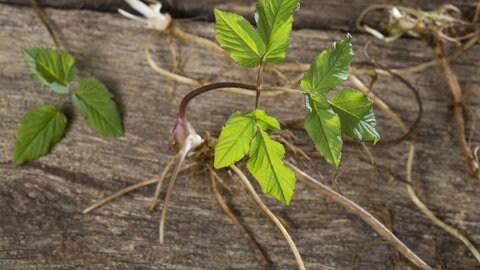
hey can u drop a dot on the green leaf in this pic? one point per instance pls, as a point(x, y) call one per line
point(234, 140)
point(356, 116)
point(274, 21)
point(323, 126)
point(329, 68)
point(238, 37)
point(266, 165)
point(266, 122)
point(94, 102)
point(40, 129)
point(79, 105)
point(49, 67)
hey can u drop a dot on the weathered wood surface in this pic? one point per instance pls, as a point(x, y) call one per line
point(314, 14)
point(41, 225)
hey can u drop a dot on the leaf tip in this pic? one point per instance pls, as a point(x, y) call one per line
point(17, 162)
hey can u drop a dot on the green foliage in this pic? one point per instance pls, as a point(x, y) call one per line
point(40, 129)
point(349, 112)
point(265, 121)
point(356, 115)
point(250, 48)
point(323, 126)
point(246, 133)
point(238, 37)
point(330, 67)
point(234, 141)
point(266, 165)
point(43, 127)
point(94, 102)
point(274, 20)
point(49, 67)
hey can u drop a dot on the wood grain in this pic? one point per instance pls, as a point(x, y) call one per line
point(41, 225)
point(314, 14)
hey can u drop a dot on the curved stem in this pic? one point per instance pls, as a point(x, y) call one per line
point(363, 214)
point(182, 111)
point(161, 71)
point(451, 230)
point(206, 43)
point(299, 67)
point(420, 67)
point(270, 215)
point(363, 13)
point(407, 133)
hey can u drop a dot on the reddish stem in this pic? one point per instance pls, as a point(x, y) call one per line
point(182, 111)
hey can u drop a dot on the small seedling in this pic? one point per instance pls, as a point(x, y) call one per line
point(44, 126)
point(249, 135)
point(349, 111)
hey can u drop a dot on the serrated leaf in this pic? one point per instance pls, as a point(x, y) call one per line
point(49, 67)
point(234, 140)
point(265, 121)
point(323, 127)
point(40, 129)
point(356, 116)
point(330, 68)
point(238, 37)
point(266, 165)
point(97, 107)
point(274, 22)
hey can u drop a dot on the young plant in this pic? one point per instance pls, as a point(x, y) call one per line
point(248, 134)
point(349, 111)
point(42, 127)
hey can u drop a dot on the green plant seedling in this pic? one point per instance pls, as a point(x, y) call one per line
point(44, 126)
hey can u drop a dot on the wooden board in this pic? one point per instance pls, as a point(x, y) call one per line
point(41, 225)
point(314, 14)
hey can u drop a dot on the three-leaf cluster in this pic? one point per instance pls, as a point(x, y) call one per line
point(349, 111)
point(42, 127)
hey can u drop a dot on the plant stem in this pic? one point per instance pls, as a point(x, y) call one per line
point(180, 158)
point(376, 71)
point(411, 192)
point(363, 214)
point(246, 234)
point(161, 71)
point(457, 96)
point(206, 43)
point(44, 21)
point(162, 177)
point(128, 189)
point(259, 84)
point(451, 230)
point(270, 215)
point(182, 111)
point(282, 89)
point(476, 15)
